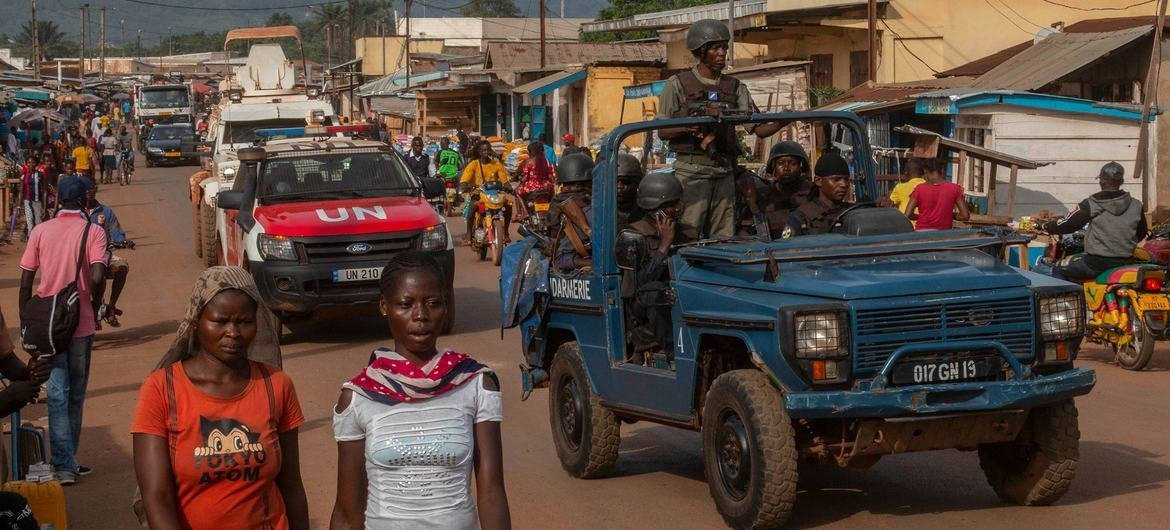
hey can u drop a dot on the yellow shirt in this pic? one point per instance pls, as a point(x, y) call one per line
point(476, 173)
point(900, 195)
point(81, 157)
point(105, 121)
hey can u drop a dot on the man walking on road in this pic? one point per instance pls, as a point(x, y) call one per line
point(706, 171)
point(53, 251)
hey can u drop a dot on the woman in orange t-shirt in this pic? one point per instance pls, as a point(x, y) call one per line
point(215, 431)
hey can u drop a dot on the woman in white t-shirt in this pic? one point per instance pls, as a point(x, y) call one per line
point(415, 424)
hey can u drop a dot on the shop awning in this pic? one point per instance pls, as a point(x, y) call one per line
point(646, 90)
point(550, 83)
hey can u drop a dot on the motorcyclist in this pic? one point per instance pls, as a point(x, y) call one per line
point(832, 182)
point(448, 160)
point(125, 147)
point(486, 167)
point(646, 289)
point(782, 187)
point(629, 175)
point(118, 268)
point(537, 174)
point(1115, 226)
point(570, 213)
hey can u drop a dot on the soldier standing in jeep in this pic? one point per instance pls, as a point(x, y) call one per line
point(832, 182)
point(782, 188)
point(704, 167)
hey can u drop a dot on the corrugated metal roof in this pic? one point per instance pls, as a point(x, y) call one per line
point(1055, 57)
point(270, 32)
point(549, 83)
point(677, 17)
point(527, 54)
point(766, 66)
point(983, 65)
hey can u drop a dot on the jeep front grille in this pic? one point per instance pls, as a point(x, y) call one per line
point(882, 329)
point(334, 250)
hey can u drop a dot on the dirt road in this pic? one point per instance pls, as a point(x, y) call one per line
point(1125, 422)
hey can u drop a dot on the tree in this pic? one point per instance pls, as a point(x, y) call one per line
point(52, 40)
point(490, 9)
point(279, 18)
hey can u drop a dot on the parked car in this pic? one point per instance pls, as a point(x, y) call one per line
point(165, 145)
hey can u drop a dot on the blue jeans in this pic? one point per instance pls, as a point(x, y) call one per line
point(66, 397)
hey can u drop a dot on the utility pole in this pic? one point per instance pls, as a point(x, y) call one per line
point(562, 8)
point(349, 32)
point(122, 36)
point(81, 38)
point(138, 45)
point(731, 32)
point(873, 40)
point(382, 42)
point(328, 46)
point(1149, 93)
point(102, 44)
point(406, 43)
point(36, 42)
point(542, 34)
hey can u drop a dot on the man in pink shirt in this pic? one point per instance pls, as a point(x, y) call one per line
point(53, 250)
point(937, 199)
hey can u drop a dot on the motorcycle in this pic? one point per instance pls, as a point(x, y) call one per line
point(125, 168)
point(537, 204)
point(489, 222)
point(1128, 307)
point(452, 198)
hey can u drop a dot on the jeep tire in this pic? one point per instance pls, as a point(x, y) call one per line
point(208, 236)
point(585, 433)
point(1037, 467)
point(197, 229)
point(749, 451)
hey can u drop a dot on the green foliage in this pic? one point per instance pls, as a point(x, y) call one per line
point(279, 18)
point(52, 39)
point(490, 9)
point(628, 8)
point(819, 95)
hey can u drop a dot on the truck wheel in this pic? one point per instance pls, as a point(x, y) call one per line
point(585, 433)
point(1039, 465)
point(209, 236)
point(749, 451)
point(197, 230)
point(1136, 355)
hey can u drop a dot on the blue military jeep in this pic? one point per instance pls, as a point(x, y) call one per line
point(836, 348)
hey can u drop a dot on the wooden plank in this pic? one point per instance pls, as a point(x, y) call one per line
point(1012, 192)
point(925, 147)
point(991, 190)
point(961, 172)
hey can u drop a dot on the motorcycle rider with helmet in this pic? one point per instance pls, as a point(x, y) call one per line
point(1115, 225)
point(646, 288)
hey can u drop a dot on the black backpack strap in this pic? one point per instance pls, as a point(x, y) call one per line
point(84, 241)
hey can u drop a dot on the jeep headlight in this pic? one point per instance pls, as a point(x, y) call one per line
point(820, 335)
point(433, 238)
point(154, 150)
point(1062, 316)
point(276, 248)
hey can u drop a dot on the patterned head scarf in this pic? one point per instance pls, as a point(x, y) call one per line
point(265, 347)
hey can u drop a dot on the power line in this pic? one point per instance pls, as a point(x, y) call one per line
point(1017, 13)
point(197, 8)
point(1005, 17)
point(1100, 8)
point(907, 48)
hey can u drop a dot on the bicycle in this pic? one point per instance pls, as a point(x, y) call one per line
point(125, 169)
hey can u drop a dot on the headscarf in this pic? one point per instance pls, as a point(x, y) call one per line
point(536, 156)
point(391, 378)
point(265, 347)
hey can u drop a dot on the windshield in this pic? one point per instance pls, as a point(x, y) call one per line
point(334, 175)
point(165, 97)
point(169, 133)
point(244, 132)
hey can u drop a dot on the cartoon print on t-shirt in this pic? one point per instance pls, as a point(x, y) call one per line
point(232, 451)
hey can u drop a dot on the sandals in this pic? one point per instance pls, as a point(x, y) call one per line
point(112, 318)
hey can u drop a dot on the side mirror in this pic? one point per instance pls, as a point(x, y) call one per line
point(433, 187)
point(230, 200)
point(629, 249)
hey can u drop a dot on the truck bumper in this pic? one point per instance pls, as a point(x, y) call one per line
point(300, 288)
point(942, 398)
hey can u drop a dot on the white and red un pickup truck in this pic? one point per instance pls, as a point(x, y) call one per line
point(316, 220)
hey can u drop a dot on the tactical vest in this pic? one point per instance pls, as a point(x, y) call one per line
point(817, 218)
point(694, 91)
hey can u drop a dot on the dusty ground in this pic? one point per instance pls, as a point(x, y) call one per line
point(1125, 422)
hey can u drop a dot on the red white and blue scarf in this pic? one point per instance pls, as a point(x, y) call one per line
point(391, 378)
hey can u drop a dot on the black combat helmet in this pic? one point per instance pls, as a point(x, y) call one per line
point(705, 32)
point(577, 167)
point(786, 148)
point(658, 188)
point(1112, 172)
point(628, 167)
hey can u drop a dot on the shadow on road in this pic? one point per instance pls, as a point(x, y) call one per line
point(660, 449)
point(1160, 362)
point(104, 506)
point(113, 338)
point(476, 309)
